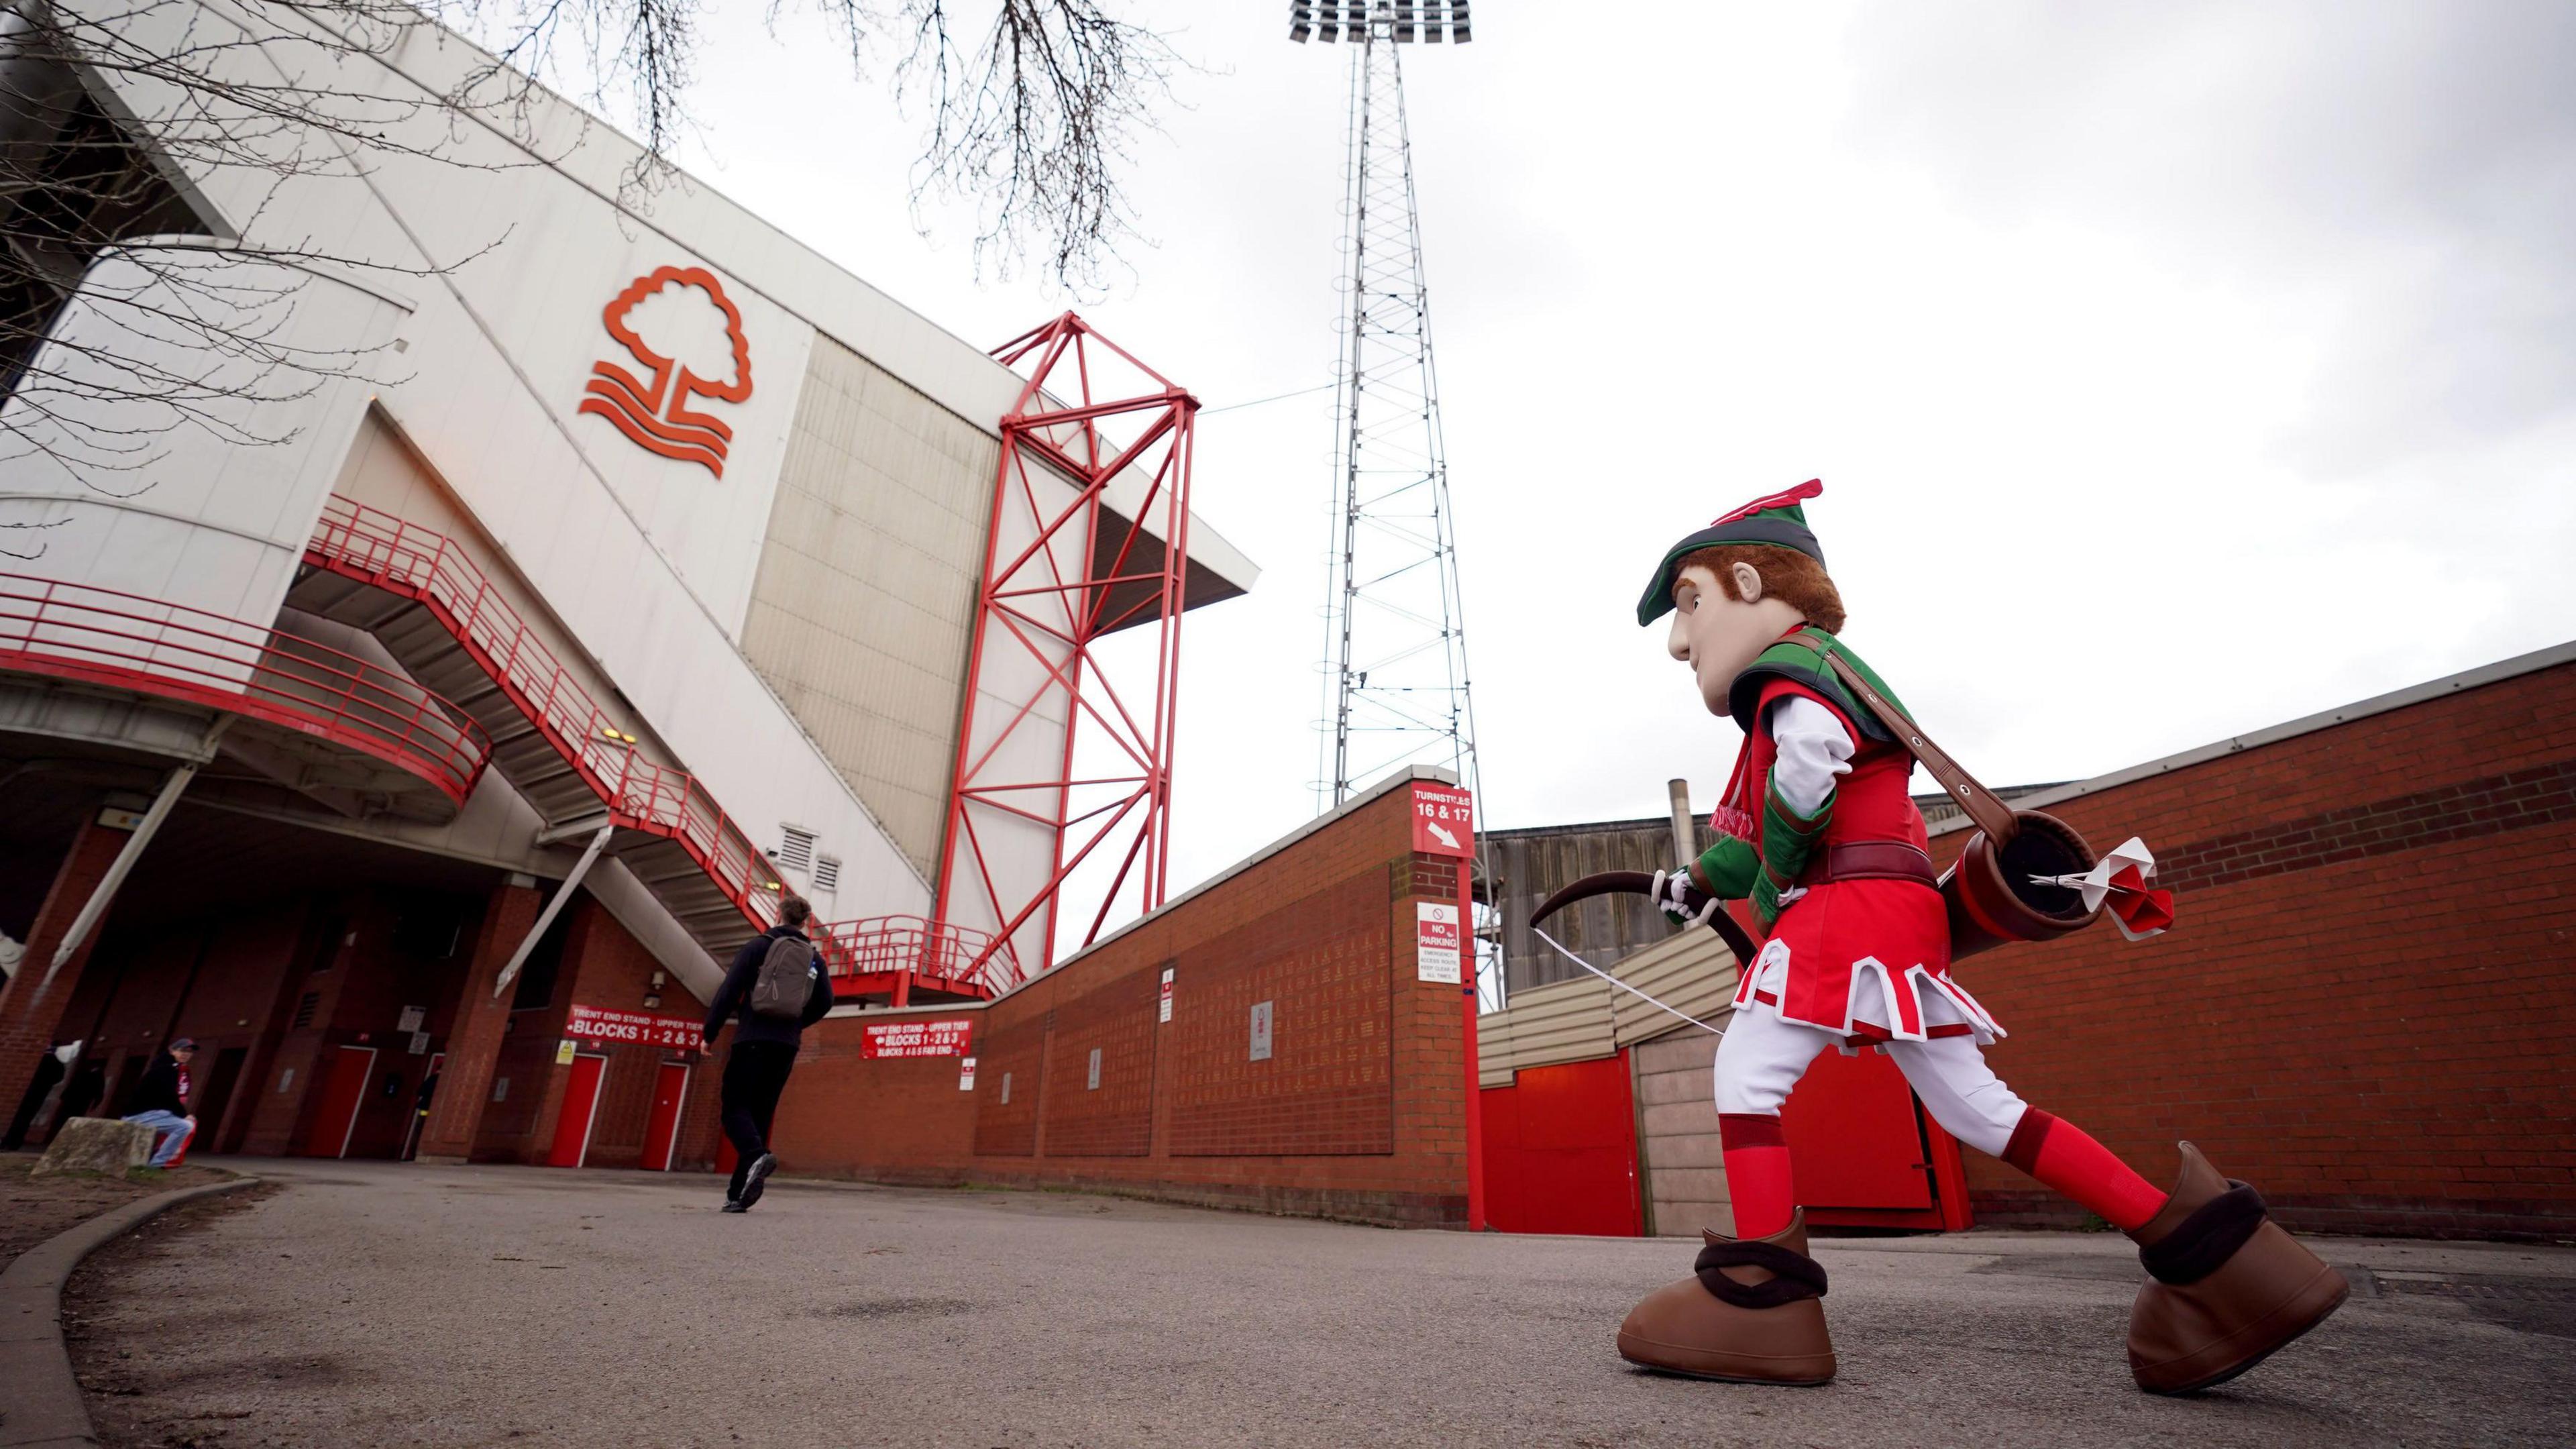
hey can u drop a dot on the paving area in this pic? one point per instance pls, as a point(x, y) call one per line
point(379, 1304)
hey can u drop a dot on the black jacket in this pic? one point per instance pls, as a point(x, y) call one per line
point(159, 1091)
point(733, 999)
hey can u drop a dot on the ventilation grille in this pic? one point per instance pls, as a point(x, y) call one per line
point(305, 1008)
point(796, 851)
point(827, 873)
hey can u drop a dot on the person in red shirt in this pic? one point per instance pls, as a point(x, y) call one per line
point(1818, 830)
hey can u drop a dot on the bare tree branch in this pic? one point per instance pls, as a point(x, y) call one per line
point(1034, 127)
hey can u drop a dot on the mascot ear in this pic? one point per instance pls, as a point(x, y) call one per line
point(1748, 583)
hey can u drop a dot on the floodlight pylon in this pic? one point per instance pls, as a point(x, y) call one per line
point(1395, 650)
point(1395, 644)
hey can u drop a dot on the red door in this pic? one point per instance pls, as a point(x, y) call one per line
point(1561, 1150)
point(580, 1105)
point(1865, 1153)
point(342, 1091)
point(662, 1130)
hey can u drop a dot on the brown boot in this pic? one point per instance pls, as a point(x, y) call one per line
point(1750, 1316)
point(2227, 1287)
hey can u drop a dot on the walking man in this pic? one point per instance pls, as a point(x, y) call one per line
point(775, 989)
point(161, 1102)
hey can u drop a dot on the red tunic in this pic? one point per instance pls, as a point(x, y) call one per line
point(1854, 956)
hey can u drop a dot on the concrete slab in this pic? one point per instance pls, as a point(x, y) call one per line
point(387, 1304)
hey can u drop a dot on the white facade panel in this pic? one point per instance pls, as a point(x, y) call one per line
point(650, 559)
point(188, 517)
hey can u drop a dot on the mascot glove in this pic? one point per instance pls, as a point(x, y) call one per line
point(1769, 900)
point(1682, 903)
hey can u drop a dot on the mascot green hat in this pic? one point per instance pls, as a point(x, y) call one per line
point(1776, 521)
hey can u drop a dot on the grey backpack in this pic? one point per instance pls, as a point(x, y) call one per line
point(786, 980)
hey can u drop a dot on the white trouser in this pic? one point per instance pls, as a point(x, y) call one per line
point(1762, 1056)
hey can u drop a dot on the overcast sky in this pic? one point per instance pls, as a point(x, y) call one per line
point(2173, 370)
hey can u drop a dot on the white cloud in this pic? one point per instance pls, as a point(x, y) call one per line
point(2210, 363)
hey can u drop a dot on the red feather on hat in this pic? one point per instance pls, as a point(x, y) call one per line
point(1812, 488)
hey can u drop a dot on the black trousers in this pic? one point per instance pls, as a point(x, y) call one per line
point(753, 1077)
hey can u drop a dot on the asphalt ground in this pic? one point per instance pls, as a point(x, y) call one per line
point(383, 1304)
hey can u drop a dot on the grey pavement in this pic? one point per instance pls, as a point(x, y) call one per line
point(374, 1303)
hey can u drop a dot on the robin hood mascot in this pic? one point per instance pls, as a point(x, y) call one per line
point(1857, 935)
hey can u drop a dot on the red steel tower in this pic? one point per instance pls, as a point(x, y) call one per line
point(1089, 537)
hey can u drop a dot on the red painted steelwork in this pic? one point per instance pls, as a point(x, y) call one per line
point(386, 552)
point(101, 636)
point(874, 954)
point(1034, 610)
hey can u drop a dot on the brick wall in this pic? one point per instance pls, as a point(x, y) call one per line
point(1359, 1113)
point(2366, 1003)
point(603, 966)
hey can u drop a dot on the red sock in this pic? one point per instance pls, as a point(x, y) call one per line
point(1757, 1173)
point(2066, 1158)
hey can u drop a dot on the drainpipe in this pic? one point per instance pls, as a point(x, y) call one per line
point(123, 865)
point(546, 917)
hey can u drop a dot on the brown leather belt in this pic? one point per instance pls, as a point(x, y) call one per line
point(1873, 860)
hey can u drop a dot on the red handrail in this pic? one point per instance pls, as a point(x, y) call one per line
point(105, 636)
point(907, 943)
point(380, 549)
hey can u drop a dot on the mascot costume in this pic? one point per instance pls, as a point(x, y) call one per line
point(1858, 932)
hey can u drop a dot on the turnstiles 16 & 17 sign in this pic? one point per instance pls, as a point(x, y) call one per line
point(917, 1038)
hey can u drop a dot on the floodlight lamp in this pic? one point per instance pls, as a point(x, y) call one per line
point(1458, 31)
point(1301, 22)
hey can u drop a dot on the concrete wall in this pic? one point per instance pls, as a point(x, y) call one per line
point(864, 607)
point(1360, 1113)
point(1678, 1152)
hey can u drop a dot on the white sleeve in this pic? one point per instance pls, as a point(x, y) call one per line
point(1813, 750)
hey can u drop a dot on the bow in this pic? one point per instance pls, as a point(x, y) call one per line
point(2122, 878)
point(1641, 882)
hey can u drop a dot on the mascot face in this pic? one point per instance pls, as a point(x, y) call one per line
point(1719, 627)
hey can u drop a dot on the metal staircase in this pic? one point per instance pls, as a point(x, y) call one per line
point(439, 616)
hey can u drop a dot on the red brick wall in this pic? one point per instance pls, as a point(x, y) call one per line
point(2366, 1004)
point(1360, 1112)
point(603, 966)
point(33, 1012)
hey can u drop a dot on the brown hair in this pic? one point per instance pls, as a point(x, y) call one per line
point(793, 909)
point(1787, 575)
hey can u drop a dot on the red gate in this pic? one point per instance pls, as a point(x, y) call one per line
point(1865, 1152)
point(1561, 1151)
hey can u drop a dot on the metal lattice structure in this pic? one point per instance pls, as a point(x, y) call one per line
point(1395, 647)
point(1090, 536)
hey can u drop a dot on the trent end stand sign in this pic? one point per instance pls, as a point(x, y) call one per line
point(950, 1038)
